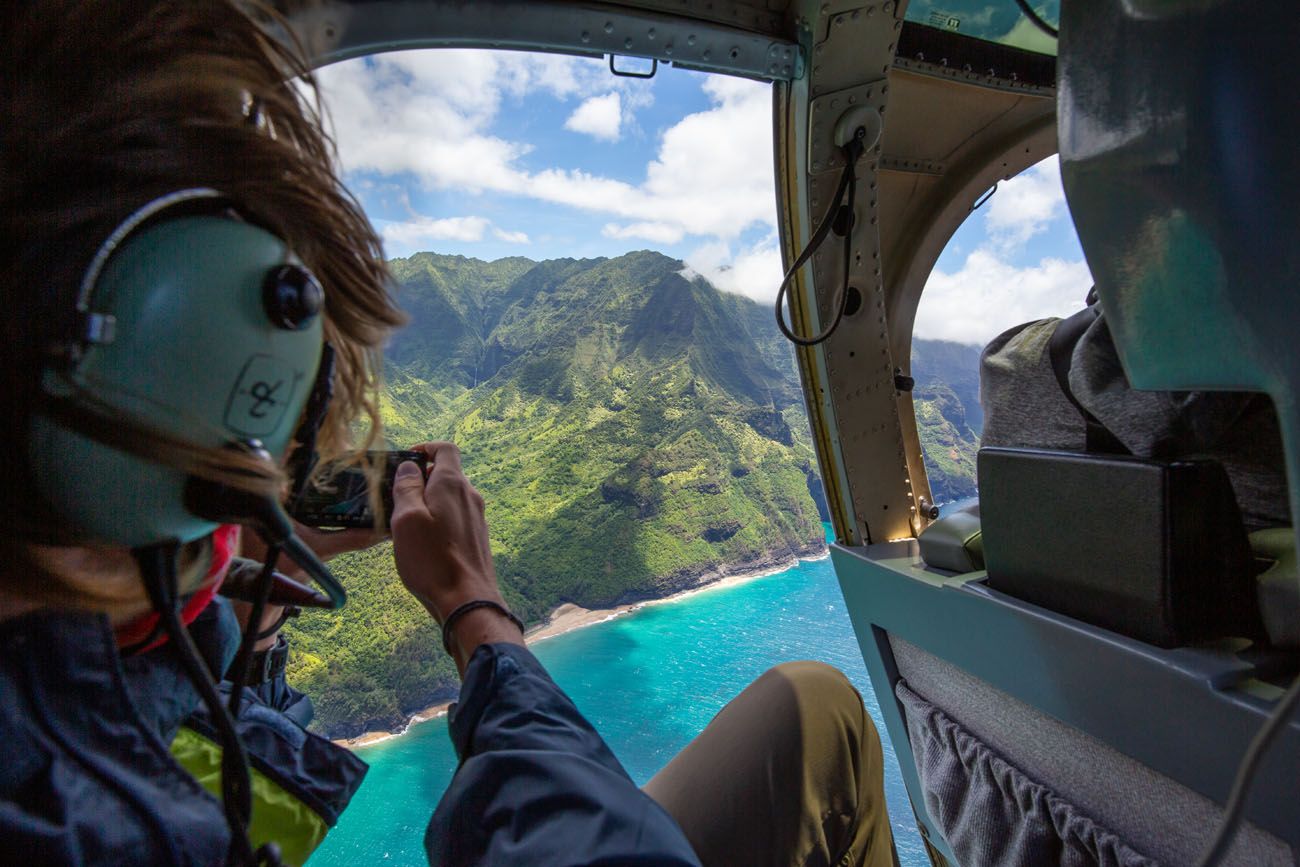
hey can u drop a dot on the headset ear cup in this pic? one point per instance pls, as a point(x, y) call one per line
point(194, 356)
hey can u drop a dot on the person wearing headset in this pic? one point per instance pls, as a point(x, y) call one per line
point(178, 252)
point(179, 255)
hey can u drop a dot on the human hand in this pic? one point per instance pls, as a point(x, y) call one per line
point(440, 544)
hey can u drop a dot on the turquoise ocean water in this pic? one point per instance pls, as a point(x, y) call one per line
point(649, 682)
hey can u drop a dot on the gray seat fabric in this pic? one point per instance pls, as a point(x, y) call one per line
point(992, 814)
point(1150, 812)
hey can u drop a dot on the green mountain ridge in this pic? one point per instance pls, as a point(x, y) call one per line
point(634, 432)
point(948, 414)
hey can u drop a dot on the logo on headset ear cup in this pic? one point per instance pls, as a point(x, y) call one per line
point(195, 356)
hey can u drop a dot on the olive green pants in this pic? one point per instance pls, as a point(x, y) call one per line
point(789, 773)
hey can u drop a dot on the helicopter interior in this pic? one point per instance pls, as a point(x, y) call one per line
point(1025, 727)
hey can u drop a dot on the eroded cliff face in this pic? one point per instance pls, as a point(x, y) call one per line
point(634, 431)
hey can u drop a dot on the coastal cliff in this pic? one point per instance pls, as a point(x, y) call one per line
point(635, 434)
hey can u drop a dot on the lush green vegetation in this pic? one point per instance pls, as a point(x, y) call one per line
point(948, 414)
point(632, 429)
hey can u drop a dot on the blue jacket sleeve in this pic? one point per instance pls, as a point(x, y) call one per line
point(536, 784)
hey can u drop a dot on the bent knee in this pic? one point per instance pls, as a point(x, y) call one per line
point(817, 681)
point(823, 690)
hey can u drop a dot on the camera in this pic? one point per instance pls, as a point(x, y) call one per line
point(343, 499)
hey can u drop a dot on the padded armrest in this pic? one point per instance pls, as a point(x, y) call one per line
point(1278, 585)
point(954, 542)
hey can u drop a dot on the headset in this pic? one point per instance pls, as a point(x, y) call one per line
point(195, 323)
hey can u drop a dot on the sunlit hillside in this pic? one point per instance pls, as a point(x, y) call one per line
point(633, 430)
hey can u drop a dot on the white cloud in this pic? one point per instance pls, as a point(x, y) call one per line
point(659, 233)
point(431, 114)
point(422, 230)
point(989, 295)
point(600, 117)
point(510, 237)
point(753, 271)
point(1025, 205)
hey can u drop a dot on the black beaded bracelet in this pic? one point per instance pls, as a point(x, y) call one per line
point(466, 608)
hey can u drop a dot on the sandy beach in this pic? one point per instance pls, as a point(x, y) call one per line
point(568, 617)
point(370, 738)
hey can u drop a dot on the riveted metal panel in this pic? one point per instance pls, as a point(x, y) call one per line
point(849, 379)
point(694, 35)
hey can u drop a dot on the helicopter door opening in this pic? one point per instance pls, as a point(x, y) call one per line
point(1048, 642)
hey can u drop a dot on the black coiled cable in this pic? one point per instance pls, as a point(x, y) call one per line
point(158, 569)
point(848, 185)
point(1037, 20)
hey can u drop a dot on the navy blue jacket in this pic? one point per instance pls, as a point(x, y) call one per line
point(536, 785)
point(86, 776)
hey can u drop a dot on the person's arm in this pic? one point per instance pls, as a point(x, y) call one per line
point(536, 784)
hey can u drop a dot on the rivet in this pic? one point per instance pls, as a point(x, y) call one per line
point(627, 43)
point(690, 40)
point(609, 26)
point(707, 54)
point(650, 34)
point(586, 37)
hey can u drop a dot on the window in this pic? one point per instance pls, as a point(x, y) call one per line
point(1014, 260)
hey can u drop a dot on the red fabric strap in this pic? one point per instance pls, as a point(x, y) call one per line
point(224, 541)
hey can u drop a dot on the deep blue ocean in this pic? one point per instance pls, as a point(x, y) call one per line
point(649, 681)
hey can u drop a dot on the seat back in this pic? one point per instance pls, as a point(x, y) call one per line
point(1152, 549)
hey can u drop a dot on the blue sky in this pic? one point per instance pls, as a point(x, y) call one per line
point(492, 154)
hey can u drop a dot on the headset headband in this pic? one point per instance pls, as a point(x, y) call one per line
point(192, 323)
point(94, 327)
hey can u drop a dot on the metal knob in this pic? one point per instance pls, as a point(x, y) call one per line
point(292, 297)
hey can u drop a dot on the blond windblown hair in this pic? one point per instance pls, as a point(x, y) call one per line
point(108, 105)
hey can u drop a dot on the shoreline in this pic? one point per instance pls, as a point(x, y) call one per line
point(568, 617)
